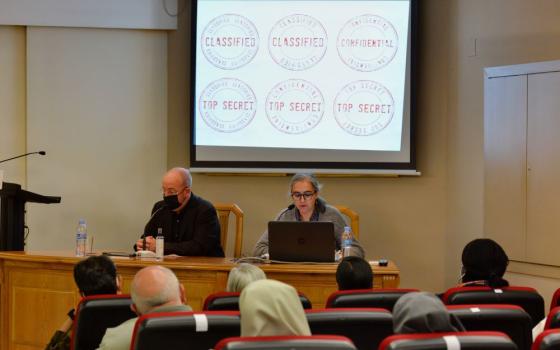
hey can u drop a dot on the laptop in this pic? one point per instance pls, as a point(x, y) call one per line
point(301, 241)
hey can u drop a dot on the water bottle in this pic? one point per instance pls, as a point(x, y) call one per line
point(346, 241)
point(159, 243)
point(81, 238)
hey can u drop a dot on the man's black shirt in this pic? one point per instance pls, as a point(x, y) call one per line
point(195, 230)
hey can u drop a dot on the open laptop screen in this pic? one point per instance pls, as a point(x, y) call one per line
point(301, 241)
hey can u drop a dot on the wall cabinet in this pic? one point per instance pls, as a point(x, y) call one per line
point(522, 160)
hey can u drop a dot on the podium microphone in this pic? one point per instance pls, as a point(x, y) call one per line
point(24, 155)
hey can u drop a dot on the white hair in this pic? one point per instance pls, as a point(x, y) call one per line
point(243, 274)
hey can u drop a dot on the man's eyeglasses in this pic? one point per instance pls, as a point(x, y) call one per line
point(171, 191)
point(305, 195)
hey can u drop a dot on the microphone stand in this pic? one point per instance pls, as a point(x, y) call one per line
point(23, 155)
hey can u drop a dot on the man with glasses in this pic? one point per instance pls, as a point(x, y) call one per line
point(308, 206)
point(188, 222)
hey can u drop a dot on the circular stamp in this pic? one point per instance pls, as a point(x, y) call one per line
point(363, 107)
point(229, 41)
point(367, 43)
point(227, 105)
point(295, 106)
point(297, 42)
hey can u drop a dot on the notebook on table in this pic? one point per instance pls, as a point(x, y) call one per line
point(301, 241)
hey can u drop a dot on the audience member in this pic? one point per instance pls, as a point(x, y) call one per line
point(484, 264)
point(153, 289)
point(94, 275)
point(423, 312)
point(188, 222)
point(354, 272)
point(270, 307)
point(307, 205)
point(243, 274)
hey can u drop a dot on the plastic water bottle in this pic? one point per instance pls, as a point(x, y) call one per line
point(159, 244)
point(346, 241)
point(81, 238)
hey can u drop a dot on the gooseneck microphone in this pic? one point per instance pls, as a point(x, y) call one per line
point(24, 155)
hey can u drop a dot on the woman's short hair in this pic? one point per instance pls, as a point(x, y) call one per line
point(305, 177)
point(354, 272)
point(243, 274)
point(484, 259)
point(96, 275)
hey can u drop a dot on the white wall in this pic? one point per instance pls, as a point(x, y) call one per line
point(12, 102)
point(96, 102)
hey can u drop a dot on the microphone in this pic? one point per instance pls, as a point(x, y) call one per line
point(24, 155)
point(148, 223)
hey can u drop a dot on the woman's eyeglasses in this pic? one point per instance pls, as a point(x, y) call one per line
point(305, 195)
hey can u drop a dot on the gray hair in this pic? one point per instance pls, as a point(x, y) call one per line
point(305, 177)
point(185, 174)
point(168, 290)
point(243, 274)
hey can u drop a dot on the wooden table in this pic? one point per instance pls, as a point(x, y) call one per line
point(37, 288)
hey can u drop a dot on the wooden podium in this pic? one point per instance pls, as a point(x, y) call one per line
point(37, 288)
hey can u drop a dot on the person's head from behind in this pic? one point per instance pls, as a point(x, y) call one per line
point(304, 191)
point(270, 307)
point(484, 260)
point(243, 274)
point(155, 286)
point(96, 275)
point(176, 187)
point(354, 272)
point(422, 312)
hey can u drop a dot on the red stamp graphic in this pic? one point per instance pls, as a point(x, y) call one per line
point(294, 106)
point(297, 42)
point(363, 108)
point(227, 105)
point(229, 41)
point(367, 43)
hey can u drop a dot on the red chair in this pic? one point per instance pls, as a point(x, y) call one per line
point(96, 313)
point(451, 340)
point(177, 330)
point(555, 299)
point(547, 340)
point(528, 298)
point(366, 327)
point(553, 319)
point(509, 319)
point(312, 342)
point(380, 298)
point(229, 301)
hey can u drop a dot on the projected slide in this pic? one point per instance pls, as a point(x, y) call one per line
point(321, 75)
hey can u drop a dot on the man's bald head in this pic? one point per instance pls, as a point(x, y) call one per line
point(155, 286)
point(180, 176)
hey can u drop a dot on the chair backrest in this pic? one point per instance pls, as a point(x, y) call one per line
point(177, 330)
point(528, 298)
point(555, 299)
point(547, 340)
point(312, 342)
point(381, 298)
point(230, 301)
point(553, 319)
point(451, 340)
point(224, 210)
point(353, 217)
point(95, 314)
point(366, 327)
point(509, 319)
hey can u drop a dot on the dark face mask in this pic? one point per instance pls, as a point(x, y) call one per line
point(172, 201)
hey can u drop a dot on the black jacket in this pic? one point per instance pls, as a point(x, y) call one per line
point(195, 230)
